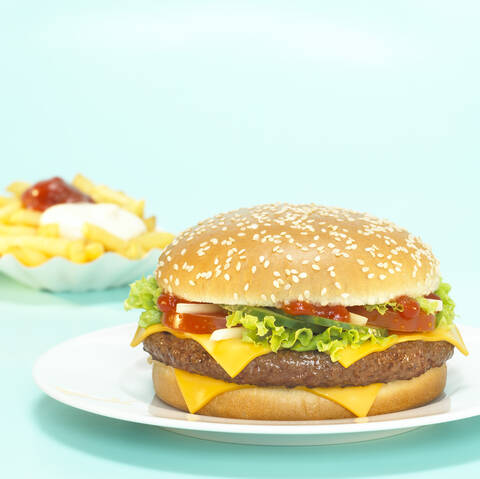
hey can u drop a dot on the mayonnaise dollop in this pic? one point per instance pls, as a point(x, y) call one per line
point(72, 216)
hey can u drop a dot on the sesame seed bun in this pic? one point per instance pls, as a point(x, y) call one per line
point(273, 254)
point(282, 404)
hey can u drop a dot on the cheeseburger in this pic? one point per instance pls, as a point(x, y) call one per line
point(296, 312)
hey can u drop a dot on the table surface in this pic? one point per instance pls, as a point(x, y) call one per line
point(44, 438)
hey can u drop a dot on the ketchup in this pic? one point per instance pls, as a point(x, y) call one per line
point(51, 192)
point(411, 308)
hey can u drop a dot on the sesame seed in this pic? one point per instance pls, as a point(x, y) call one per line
point(337, 285)
point(226, 276)
point(316, 267)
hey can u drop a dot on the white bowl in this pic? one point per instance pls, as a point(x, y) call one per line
point(59, 274)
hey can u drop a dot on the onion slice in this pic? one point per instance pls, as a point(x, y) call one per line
point(192, 308)
point(358, 320)
point(438, 302)
point(227, 333)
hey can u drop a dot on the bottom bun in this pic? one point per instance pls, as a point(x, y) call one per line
point(283, 404)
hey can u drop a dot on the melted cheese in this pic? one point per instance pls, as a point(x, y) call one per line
point(197, 391)
point(357, 399)
point(348, 356)
point(232, 354)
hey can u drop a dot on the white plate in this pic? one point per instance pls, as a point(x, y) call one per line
point(100, 373)
point(59, 274)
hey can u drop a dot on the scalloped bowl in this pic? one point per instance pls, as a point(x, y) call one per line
point(59, 274)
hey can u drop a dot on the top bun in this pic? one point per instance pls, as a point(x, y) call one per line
point(273, 254)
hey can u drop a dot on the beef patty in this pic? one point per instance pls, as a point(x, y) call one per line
point(310, 368)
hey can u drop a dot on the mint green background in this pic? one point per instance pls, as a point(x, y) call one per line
point(206, 106)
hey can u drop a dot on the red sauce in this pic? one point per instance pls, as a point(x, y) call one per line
point(296, 308)
point(411, 308)
point(167, 303)
point(190, 323)
point(52, 192)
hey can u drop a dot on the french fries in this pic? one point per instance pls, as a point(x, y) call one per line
point(104, 194)
point(153, 239)
point(109, 241)
point(32, 243)
point(18, 187)
point(27, 256)
point(25, 217)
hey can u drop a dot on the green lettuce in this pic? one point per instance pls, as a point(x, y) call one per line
point(427, 305)
point(143, 295)
point(331, 341)
point(447, 315)
point(382, 308)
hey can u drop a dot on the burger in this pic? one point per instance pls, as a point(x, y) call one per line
point(296, 312)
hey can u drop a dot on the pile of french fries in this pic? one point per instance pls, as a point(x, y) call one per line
point(22, 235)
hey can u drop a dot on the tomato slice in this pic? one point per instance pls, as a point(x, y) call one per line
point(189, 323)
point(195, 323)
point(394, 320)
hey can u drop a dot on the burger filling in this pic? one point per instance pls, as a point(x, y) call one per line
point(299, 326)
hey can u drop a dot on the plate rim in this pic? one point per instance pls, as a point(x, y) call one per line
point(201, 423)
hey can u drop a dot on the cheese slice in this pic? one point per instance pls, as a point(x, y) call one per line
point(197, 391)
point(234, 355)
point(348, 356)
point(357, 399)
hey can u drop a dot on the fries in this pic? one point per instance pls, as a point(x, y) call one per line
point(25, 217)
point(103, 194)
point(32, 243)
point(153, 239)
point(18, 187)
point(27, 256)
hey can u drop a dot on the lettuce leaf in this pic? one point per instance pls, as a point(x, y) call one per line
point(427, 305)
point(447, 315)
point(331, 341)
point(143, 295)
point(382, 308)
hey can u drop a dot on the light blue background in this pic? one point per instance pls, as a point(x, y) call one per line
point(200, 107)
